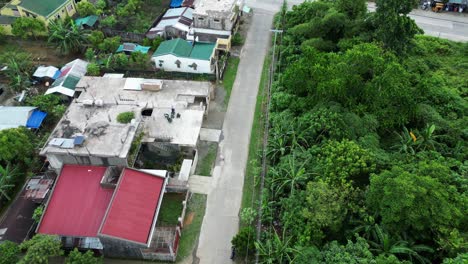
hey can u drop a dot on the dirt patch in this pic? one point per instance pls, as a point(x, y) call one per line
point(41, 52)
point(189, 218)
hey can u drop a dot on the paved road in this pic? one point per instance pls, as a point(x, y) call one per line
point(448, 25)
point(221, 220)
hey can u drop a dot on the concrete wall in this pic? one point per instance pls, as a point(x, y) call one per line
point(57, 160)
point(169, 64)
point(214, 20)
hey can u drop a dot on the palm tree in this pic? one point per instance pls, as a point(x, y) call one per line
point(6, 175)
point(290, 176)
point(275, 249)
point(382, 243)
point(67, 37)
point(406, 142)
point(428, 138)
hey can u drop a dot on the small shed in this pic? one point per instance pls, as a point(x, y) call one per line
point(86, 22)
point(47, 72)
point(16, 116)
point(132, 47)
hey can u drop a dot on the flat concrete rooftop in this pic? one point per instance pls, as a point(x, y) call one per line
point(94, 114)
point(204, 7)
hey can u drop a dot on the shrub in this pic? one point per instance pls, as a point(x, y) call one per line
point(237, 40)
point(93, 69)
point(125, 117)
point(243, 242)
point(9, 252)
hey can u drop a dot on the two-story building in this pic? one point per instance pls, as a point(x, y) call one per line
point(45, 10)
point(213, 19)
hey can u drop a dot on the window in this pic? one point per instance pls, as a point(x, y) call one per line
point(63, 10)
point(177, 62)
point(194, 66)
point(216, 20)
point(70, 7)
point(160, 63)
point(201, 18)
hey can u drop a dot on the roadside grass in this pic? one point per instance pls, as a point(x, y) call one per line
point(230, 77)
point(191, 231)
point(171, 209)
point(205, 165)
point(251, 189)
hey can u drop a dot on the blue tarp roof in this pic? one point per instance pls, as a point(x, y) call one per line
point(176, 3)
point(56, 75)
point(36, 118)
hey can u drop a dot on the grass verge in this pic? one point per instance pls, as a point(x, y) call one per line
point(250, 193)
point(205, 165)
point(171, 209)
point(191, 231)
point(230, 77)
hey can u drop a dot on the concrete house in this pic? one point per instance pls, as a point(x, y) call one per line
point(179, 55)
point(213, 19)
point(89, 133)
point(45, 10)
point(113, 210)
point(175, 23)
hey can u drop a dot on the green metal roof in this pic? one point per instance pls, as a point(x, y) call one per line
point(7, 20)
point(89, 21)
point(181, 48)
point(202, 51)
point(177, 47)
point(42, 7)
point(70, 82)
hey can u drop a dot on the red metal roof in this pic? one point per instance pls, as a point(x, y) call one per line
point(78, 203)
point(133, 207)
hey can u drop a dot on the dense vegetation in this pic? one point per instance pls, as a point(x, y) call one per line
point(367, 154)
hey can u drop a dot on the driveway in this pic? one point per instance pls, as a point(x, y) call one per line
point(221, 220)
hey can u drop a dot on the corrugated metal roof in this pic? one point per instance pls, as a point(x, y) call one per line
point(177, 47)
point(43, 7)
point(70, 76)
point(46, 71)
point(14, 116)
point(78, 203)
point(89, 21)
point(36, 118)
point(134, 206)
point(202, 51)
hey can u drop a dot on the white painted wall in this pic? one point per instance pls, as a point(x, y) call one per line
point(168, 64)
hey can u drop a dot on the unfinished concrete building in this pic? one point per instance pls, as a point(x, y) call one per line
point(213, 19)
point(167, 114)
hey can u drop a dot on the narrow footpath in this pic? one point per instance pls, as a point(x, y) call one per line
point(221, 221)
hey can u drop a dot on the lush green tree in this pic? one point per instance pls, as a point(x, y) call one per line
point(67, 37)
point(89, 54)
point(101, 4)
point(19, 65)
point(109, 44)
point(120, 61)
point(96, 37)
point(289, 175)
point(25, 27)
point(244, 241)
point(140, 60)
point(460, 259)
point(9, 252)
point(85, 8)
point(343, 161)
point(7, 178)
point(353, 9)
point(17, 145)
point(108, 21)
point(407, 201)
point(50, 103)
point(394, 27)
point(76, 257)
point(40, 248)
